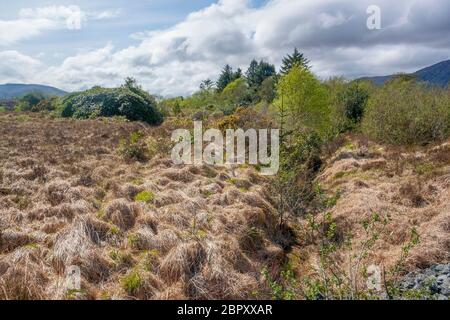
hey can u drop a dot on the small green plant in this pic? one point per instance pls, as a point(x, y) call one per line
point(134, 148)
point(392, 285)
point(73, 293)
point(132, 282)
point(121, 257)
point(146, 196)
point(332, 280)
point(113, 230)
point(133, 240)
point(149, 259)
point(284, 289)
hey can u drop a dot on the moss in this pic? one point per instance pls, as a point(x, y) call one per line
point(145, 196)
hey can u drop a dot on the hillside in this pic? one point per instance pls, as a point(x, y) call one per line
point(437, 74)
point(11, 90)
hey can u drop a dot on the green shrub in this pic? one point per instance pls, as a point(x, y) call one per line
point(354, 100)
point(405, 112)
point(44, 105)
point(128, 101)
point(29, 101)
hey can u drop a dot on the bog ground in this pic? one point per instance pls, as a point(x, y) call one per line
point(152, 230)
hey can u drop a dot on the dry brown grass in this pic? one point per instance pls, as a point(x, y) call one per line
point(67, 198)
point(410, 187)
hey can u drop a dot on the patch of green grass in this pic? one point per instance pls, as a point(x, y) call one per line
point(120, 257)
point(100, 214)
point(72, 294)
point(23, 118)
point(207, 193)
point(137, 181)
point(146, 196)
point(114, 230)
point(105, 296)
point(350, 146)
point(424, 168)
point(133, 240)
point(131, 282)
point(344, 174)
point(32, 245)
point(149, 259)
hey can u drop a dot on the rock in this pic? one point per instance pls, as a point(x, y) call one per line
point(435, 280)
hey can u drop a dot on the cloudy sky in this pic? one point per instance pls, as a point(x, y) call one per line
point(170, 46)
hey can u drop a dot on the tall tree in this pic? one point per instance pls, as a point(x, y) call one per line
point(206, 85)
point(302, 101)
point(227, 76)
point(258, 72)
point(291, 60)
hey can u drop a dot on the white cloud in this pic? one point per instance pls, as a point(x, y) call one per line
point(332, 33)
point(17, 67)
point(108, 14)
point(32, 22)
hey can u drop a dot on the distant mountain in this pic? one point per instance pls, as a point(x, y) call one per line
point(438, 74)
point(13, 90)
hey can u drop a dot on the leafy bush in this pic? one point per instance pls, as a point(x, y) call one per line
point(129, 101)
point(236, 93)
point(299, 162)
point(29, 101)
point(354, 100)
point(44, 105)
point(405, 112)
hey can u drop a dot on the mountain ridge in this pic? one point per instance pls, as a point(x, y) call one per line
point(436, 74)
point(17, 90)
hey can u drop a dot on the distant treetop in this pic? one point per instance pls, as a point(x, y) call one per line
point(291, 60)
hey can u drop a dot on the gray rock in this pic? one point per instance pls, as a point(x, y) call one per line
point(435, 280)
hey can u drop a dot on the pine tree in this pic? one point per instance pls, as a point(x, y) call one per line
point(227, 76)
point(258, 72)
point(291, 60)
point(206, 85)
point(252, 74)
